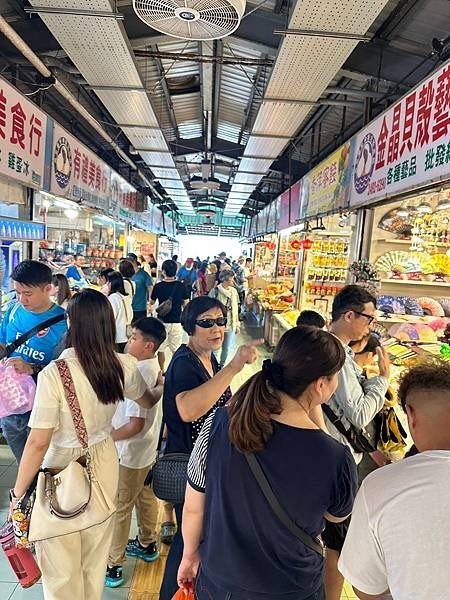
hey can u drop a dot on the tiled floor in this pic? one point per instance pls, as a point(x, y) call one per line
point(142, 580)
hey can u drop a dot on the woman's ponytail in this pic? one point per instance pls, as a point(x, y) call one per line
point(250, 413)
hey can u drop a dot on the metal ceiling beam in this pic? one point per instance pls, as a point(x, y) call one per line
point(158, 150)
point(248, 110)
point(166, 93)
point(324, 34)
point(270, 136)
point(354, 92)
point(218, 46)
point(206, 78)
point(73, 11)
point(321, 101)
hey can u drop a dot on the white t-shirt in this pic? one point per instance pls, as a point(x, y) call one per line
point(399, 536)
point(51, 411)
point(122, 314)
point(140, 450)
point(130, 288)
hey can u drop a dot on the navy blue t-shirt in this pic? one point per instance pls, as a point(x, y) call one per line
point(245, 547)
point(185, 372)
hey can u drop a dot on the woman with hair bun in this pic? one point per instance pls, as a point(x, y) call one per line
point(229, 527)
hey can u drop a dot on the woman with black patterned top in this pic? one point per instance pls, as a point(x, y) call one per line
point(194, 388)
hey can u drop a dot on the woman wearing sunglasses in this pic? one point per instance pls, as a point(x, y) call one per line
point(194, 388)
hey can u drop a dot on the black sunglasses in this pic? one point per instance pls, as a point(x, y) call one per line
point(208, 323)
point(370, 318)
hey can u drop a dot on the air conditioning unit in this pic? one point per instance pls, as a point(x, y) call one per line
point(191, 19)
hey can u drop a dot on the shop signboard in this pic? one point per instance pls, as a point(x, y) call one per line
point(157, 223)
point(23, 134)
point(407, 146)
point(296, 191)
point(327, 186)
point(77, 173)
point(122, 196)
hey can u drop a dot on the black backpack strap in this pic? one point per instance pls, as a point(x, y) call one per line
point(308, 540)
point(12, 347)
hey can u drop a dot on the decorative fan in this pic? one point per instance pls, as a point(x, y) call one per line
point(416, 262)
point(391, 305)
point(431, 306)
point(438, 263)
point(395, 224)
point(395, 260)
point(380, 330)
point(445, 303)
point(412, 307)
point(405, 332)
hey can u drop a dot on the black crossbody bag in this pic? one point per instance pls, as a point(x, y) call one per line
point(359, 440)
point(312, 543)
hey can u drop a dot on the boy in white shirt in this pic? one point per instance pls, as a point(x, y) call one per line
point(136, 433)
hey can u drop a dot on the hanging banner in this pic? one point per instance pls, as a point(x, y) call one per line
point(272, 218)
point(296, 191)
point(77, 173)
point(122, 197)
point(284, 212)
point(23, 133)
point(407, 146)
point(327, 185)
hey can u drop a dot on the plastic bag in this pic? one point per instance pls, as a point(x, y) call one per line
point(17, 392)
point(182, 595)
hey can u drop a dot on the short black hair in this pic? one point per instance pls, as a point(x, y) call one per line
point(78, 256)
point(169, 267)
point(175, 257)
point(372, 342)
point(105, 272)
point(116, 282)
point(248, 259)
point(197, 307)
point(351, 297)
point(432, 376)
point(126, 269)
point(152, 330)
point(132, 255)
point(32, 273)
point(312, 318)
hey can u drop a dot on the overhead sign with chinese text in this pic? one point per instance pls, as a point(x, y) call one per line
point(122, 198)
point(407, 146)
point(77, 173)
point(327, 185)
point(23, 130)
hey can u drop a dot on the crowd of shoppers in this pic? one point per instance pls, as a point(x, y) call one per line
point(283, 442)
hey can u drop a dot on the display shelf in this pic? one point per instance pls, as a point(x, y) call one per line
point(394, 319)
point(409, 243)
point(413, 282)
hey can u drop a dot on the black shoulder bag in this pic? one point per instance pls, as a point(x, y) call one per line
point(359, 440)
point(312, 543)
point(12, 347)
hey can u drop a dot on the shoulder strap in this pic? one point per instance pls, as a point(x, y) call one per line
point(332, 416)
point(308, 540)
point(10, 348)
point(72, 401)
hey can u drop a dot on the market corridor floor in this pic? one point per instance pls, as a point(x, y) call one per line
point(142, 580)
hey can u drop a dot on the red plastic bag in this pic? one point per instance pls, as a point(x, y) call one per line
point(182, 595)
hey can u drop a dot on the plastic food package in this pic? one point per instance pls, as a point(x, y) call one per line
point(17, 392)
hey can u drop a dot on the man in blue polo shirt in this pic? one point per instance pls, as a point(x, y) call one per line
point(144, 286)
point(32, 283)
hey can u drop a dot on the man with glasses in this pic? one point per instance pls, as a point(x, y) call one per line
point(355, 402)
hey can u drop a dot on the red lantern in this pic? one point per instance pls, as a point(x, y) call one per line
point(296, 244)
point(307, 244)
